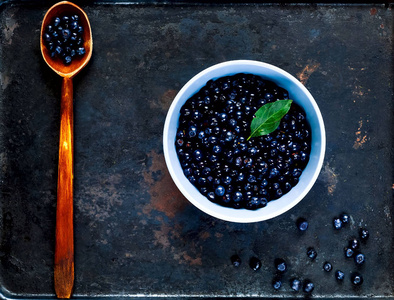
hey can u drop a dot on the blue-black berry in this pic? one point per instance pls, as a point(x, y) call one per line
point(357, 279)
point(345, 218)
point(308, 286)
point(311, 253)
point(295, 285)
point(337, 222)
point(349, 252)
point(339, 275)
point(236, 260)
point(255, 263)
point(280, 265)
point(302, 224)
point(327, 266)
point(276, 283)
point(364, 234)
point(359, 259)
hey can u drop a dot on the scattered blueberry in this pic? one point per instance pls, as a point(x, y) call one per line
point(308, 286)
point(339, 275)
point(354, 244)
point(302, 224)
point(337, 222)
point(364, 234)
point(349, 252)
point(345, 218)
point(311, 252)
point(236, 260)
point(357, 279)
point(295, 285)
point(276, 284)
point(255, 263)
point(280, 265)
point(327, 266)
point(359, 259)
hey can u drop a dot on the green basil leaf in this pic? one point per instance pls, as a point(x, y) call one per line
point(267, 118)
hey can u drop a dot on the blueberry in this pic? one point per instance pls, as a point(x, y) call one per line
point(56, 22)
point(211, 196)
point(47, 37)
point(308, 286)
point(220, 190)
point(359, 259)
point(74, 25)
point(327, 266)
point(337, 222)
point(81, 51)
point(364, 234)
point(302, 224)
point(295, 285)
point(357, 279)
point(65, 19)
point(276, 283)
point(354, 244)
point(75, 17)
point(216, 149)
point(67, 60)
point(192, 131)
point(349, 252)
point(311, 253)
point(339, 275)
point(59, 50)
point(197, 154)
point(345, 218)
point(237, 197)
point(236, 260)
point(66, 33)
point(280, 265)
point(253, 203)
point(255, 263)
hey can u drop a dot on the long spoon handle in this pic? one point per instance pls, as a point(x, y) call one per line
point(64, 248)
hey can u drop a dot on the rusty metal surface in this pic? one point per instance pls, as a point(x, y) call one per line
point(135, 234)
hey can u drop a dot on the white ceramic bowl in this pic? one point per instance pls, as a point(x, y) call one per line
point(297, 92)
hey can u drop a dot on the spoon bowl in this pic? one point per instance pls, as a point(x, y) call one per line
point(64, 245)
point(56, 64)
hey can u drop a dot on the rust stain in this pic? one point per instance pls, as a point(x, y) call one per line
point(381, 26)
point(307, 71)
point(361, 137)
point(204, 235)
point(164, 101)
point(162, 236)
point(100, 199)
point(373, 11)
point(330, 178)
point(165, 196)
point(218, 235)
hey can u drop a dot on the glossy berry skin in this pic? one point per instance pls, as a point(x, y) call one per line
point(295, 285)
point(345, 218)
point(337, 222)
point(354, 244)
point(308, 286)
point(236, 260)
point(255, 263)
point(356, 279)
point(302, 224)
point(280, 265)
point(327, 267)
point(339, 275)
point(349, 252)
point(276, 283)
point(311, 253)
point(216, 121)
point(364, 234)
point(359, 259)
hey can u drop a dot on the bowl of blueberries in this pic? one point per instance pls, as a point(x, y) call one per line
point(244, 141)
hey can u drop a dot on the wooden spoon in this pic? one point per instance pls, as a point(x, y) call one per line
point(64, 247)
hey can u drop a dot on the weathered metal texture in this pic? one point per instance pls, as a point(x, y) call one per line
point(135, 234)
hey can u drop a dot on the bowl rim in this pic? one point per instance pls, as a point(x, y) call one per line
point(253, 215)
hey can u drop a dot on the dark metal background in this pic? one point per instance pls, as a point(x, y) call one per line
point(135, 234)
